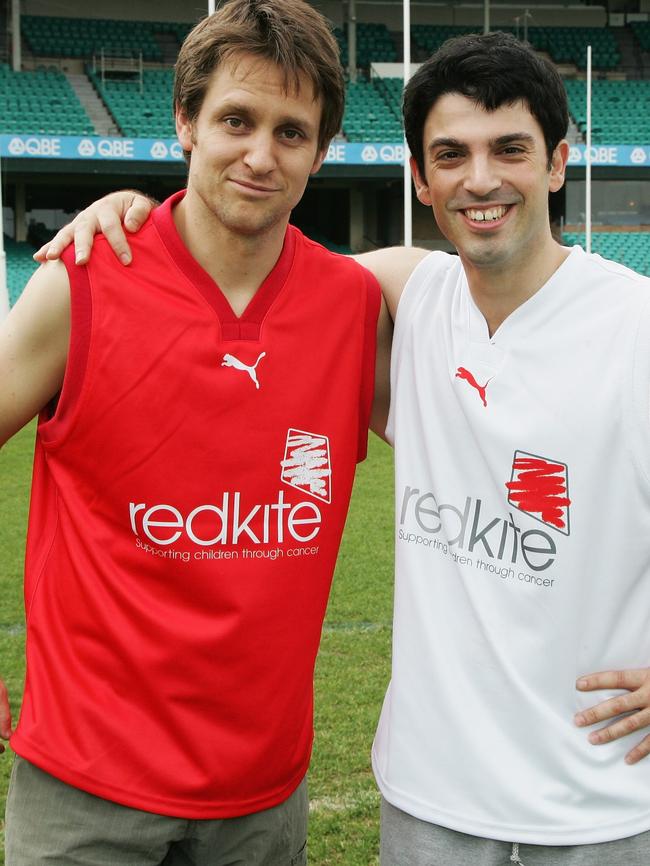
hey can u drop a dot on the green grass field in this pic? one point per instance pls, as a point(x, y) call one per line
point(352, 670)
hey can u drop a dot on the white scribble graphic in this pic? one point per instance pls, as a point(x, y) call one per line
point(306, 464)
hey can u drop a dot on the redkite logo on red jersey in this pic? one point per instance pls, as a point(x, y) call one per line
point(540, 487)
point(307, 465)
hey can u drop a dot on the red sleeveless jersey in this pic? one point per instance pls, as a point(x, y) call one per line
point(188, 500)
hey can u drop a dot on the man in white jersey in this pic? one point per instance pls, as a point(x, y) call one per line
point(520, 412)
point(522, 496)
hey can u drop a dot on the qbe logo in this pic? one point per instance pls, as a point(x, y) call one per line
point(540, 487)
point(638, 156)
point(159, 150)
point(575, 155)
point(16, 147)
point(306, 464)
point(369, 154)
point(86, 147)
point(35, 146)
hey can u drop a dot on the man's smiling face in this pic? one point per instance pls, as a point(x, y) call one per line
point(487, 179)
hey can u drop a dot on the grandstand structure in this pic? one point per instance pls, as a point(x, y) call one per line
point(86, 108)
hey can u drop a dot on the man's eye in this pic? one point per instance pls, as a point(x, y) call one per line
point(448, 155)
point(234, 122)
point(292, 134)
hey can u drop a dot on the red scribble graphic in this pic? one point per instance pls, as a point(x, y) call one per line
point(462, 373)
point(540, 488)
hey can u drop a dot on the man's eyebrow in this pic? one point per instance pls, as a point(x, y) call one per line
point(446, 142)
point(500, 141)
point(233, 107)
point(512, 137)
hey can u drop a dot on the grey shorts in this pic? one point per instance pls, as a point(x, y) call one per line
point(49, 822)
point(407, 841)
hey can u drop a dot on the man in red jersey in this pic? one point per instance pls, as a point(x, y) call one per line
point(200, 418)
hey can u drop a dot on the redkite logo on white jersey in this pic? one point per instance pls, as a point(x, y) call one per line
point(306, 464)
point(540, 487)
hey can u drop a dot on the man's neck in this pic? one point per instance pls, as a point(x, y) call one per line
point(498, 292)
point(238, 263)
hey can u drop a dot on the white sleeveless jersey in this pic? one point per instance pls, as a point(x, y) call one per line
point(522, 553)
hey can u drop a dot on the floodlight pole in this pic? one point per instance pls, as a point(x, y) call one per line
point(408, 201)
point(588, 158)
point(486, 16)
point(211, 7)
point(16, 54)
point(352, 40)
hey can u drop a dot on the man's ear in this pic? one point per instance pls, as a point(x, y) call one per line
point(558, 166)
point(184, 129)
point(421, 185)
point(320, 159)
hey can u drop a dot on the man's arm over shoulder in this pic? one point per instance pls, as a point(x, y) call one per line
point(392, 267)
point(34, 341)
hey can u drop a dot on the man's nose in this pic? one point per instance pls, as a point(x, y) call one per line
point(260, 154)
point(482, 176)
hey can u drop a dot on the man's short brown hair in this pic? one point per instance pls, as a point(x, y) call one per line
point(290, 33)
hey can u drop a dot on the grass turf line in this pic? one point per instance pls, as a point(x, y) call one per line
point(352, 669)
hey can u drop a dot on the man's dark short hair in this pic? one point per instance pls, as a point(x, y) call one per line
point(493, 69)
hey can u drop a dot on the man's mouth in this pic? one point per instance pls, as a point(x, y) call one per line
point(487, 215)
point(254, 187)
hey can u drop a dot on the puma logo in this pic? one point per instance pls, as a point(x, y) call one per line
point(462, 373)
point(231, 361)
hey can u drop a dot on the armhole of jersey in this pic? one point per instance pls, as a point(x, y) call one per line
point(55, 419)
point(641, 393)
point(367, 391)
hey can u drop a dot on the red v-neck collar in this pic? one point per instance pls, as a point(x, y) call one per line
point(248, 325)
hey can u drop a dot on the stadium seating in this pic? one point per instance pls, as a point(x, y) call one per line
point(563, 44)
point(179, 29)
point(628, 248)
point(40, 102)
point(83, 37)
point(372, 112)
point(374, 45)
point(20, 267)
point(146, 114)
point(641, 30)
point(569, 45)
point(620, 110)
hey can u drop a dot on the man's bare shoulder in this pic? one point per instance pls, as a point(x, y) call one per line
point(392, 267)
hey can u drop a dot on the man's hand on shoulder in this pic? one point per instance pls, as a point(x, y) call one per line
point(126, 209)
point(392, 267)
point(634, 706)
point(34, 340)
